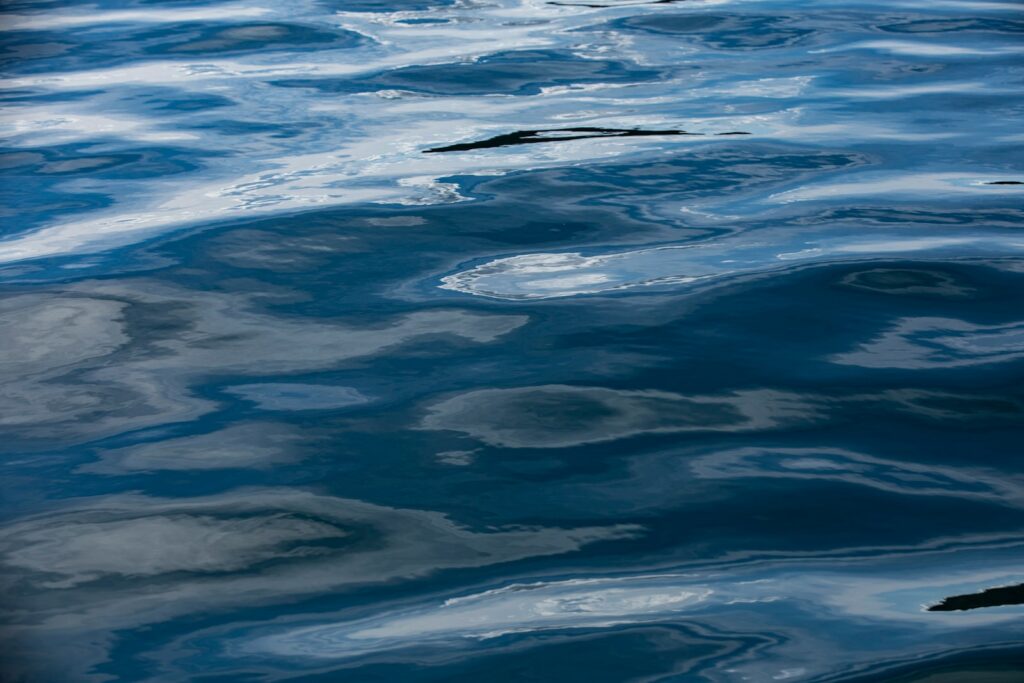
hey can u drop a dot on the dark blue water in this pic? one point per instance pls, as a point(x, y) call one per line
point(587, 341)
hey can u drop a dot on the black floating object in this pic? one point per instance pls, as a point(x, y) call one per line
point(734, 132)
point(529, 137)
point(990, 597)
point(1005, 182)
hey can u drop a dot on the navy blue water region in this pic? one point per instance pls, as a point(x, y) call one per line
point(511, 340)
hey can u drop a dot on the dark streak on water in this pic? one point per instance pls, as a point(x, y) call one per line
point(990, 597)
point(526, 137)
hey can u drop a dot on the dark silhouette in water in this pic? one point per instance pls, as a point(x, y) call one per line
point(529, 137)
point(1005, 182)
point(990, 597)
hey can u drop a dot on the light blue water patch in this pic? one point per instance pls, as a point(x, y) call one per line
point(293, 396)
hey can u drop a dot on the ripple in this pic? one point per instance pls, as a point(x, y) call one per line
point(556, 275)
point(296, 396)
point(520, 72)
point(100, 369)
point(559, 416)
point(724, 31)
point(933, 343)
point(721, 602)
point(254, 445)
point(831, 464)
point(112, 44)
point(182, 556)
point(247, 436)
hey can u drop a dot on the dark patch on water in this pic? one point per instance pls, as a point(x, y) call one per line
point(529, 137)
point(990, 597)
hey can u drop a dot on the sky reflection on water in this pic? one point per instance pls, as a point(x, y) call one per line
point(416, 340)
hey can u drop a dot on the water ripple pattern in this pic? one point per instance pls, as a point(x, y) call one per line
point(576, 341)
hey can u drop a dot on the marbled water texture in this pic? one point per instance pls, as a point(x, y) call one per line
point(583, 341)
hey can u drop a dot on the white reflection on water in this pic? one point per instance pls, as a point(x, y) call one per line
point(923, 49)
point(848, 467)
point(555, 275)
point(888, 185)
point(517, 608)
point(792, 607)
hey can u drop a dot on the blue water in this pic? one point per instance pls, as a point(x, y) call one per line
point(587, 341)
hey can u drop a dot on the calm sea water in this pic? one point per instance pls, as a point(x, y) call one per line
point(586, 341)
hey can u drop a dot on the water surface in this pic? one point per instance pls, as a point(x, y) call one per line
point(577, 341)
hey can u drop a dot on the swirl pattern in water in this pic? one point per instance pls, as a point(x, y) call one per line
point(576, 341)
